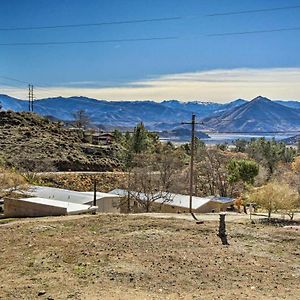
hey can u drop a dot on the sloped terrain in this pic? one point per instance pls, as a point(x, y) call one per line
point(121, 113)
point(30, 142)
point(239, 115)
point(84, 181)
point(260, 114)
point(135, 257)
point(203, 109)
point(182, 134)
point(109, 113)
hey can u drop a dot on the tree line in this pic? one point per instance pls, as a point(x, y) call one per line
point(263, 171)
point(253, 170)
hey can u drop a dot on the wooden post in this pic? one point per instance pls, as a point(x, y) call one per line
point(95, 192)
point(222, 229)
point(193, 123)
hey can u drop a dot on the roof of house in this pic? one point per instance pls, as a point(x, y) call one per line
point(220, 199)
point(72, 208)
point(176, 199)
point(66, 195)
point(100, 195)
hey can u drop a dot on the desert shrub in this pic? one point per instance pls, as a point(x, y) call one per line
point(10, 181)
point(274, 197)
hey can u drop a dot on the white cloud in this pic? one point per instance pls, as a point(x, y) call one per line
point(213, 85)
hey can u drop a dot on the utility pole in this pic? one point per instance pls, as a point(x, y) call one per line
point(30, 97)
point(193, 123)
point(95, 192)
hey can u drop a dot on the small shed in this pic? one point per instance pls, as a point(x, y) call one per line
point(41, 207)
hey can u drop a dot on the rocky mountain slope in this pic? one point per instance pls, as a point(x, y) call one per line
point(30, 142)
point(203, 109)
point(110, 113)
point(238, 115)
point(156, 116)
point(260, 114)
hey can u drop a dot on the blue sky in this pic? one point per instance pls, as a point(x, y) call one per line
point(173, 69)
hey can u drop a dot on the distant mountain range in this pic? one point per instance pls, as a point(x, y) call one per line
point(203, 109)
point(101, 112)
point(260, 114)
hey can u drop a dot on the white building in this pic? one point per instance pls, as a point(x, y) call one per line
point(180, 203)
point(40, 207)
point(106, 202)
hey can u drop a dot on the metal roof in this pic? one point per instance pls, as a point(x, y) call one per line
point(177, 199)
point(100, 195)
point(220, 199)
point(72, 208)
point(65, 195)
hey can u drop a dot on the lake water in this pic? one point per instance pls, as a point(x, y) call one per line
point(229, 138)
point(219, 138)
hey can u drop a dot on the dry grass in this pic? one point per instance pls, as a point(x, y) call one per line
point(134, 257)
point(32, 143)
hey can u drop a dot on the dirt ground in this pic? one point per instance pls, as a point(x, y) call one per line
point(140, 257)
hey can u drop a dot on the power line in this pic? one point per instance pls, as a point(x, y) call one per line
point(253, 32)
point(91, 24)
point(252, 11)
point(92, 41)
point(14, 79)
point(137, 21)
point(148, 39)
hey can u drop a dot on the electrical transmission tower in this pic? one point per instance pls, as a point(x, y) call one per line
point(30, 97)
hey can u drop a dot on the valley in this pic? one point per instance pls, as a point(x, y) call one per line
point(150, 150)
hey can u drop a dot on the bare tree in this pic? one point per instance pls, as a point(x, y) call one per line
point(81, 118)
point(213, 175)
point(152, 179)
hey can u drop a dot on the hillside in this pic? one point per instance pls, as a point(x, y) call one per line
point(260, 114)
point(125, 114)
point(203, 109)
point(238, 115)
point(181, 134)
point(137, 257)
point(101, 112)
point(291, 104)
point(30, 142)
point(293, 140)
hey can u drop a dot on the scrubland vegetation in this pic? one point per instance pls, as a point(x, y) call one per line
point(32, 143)
point(139, 257)
point(261, 171)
